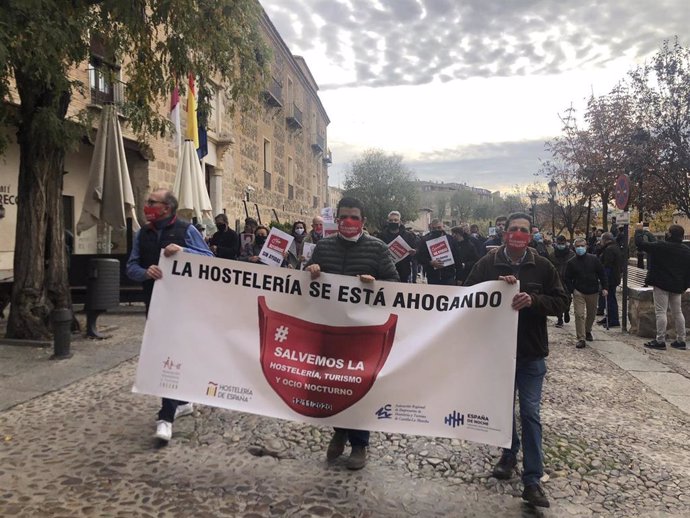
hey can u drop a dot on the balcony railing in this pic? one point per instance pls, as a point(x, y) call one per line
point(319, 144)
point(295, 119)
point(104, 90)
point(291, 192)
point(274, 93)
point(267, 180)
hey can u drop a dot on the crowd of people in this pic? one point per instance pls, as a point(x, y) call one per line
point(551, 276)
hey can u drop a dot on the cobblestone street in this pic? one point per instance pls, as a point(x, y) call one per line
point(613, 447)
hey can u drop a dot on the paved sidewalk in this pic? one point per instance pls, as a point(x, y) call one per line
point(616, 443)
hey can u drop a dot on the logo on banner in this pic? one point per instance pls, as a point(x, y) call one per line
point(320, 370)
point(277, 243)
point(385, 412)
point(454, 419)
point(230, 392)
point(212, 389)
point(170, 375)
point(438, 248)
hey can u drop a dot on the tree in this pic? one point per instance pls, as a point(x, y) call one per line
point(383, 183)
point(157, 42)
point(662, 92)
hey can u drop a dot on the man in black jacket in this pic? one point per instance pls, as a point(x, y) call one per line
point(465, 251)
point(393, 229)
point(225, 242)
point(541, 294)
point(585, 277)
point(435, 272)
point(352, 252)
point(562, 253)
point(612, 259)
point(669, 273)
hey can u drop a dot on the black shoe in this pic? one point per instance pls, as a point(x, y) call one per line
point(559, 323)
point(600, 313)
point(337, 445)
point(679, 345)
point(357, 458)
point(566, 317)
point(581, 344)
point(503, 470)
point(589, 337)
point(659, 346)
point(534, 494)
point(601, 322)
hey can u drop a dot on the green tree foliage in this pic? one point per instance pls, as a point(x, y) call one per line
point(156, 42)
point(383, 183)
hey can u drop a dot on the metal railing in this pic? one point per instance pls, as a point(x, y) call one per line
point(103, 89)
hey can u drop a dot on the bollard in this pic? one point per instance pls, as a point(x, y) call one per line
point(62, 333)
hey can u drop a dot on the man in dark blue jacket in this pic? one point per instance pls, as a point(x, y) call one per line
point(352, 252)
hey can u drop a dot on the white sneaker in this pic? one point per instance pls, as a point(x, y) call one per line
point(183, 410)
point(163, 431)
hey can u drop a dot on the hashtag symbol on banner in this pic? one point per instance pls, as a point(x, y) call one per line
point(281, 334)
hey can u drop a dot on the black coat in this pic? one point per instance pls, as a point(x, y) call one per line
point(586, 274)
point(539, 278)
point(404, 266)
point(424, 258)
point(612, 258)
point(669, 265)
point(227, 243)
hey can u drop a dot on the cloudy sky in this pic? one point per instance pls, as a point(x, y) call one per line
point(466, 90)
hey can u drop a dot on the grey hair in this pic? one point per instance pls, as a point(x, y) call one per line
point(393, 213)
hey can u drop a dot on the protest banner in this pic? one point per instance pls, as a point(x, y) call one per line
point(439, 250)
point(330, 229)
point(277, 243)
point(399, 249)
point(328, 214)
point(381, 356)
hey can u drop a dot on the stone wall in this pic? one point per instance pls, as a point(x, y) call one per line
point(641, 313)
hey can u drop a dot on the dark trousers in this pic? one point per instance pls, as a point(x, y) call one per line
point(449, 281)
point(356, 437)
point(612, 306)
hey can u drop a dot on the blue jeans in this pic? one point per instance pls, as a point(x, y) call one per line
point(529, 378)
point(612, 306)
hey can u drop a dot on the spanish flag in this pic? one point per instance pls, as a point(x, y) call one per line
point(192, 124)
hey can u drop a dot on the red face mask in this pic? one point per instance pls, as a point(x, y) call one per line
point(517, 240)
point(318, 229)
point(153, 213)
point(350, 228)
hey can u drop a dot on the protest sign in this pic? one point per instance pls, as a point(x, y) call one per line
point(330, 229)
point(439, 250)
point(277, 243)
point(307, 252)
point(399, 249)
point(328, 214)
point(386, 356)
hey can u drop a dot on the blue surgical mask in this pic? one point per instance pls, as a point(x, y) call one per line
point(561, 246)
point(580, 250)
point(538, 237)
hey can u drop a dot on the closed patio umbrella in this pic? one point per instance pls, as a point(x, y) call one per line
point(109, 197)
point(190, 188)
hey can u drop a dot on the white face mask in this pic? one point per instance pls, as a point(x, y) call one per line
point(299, 231)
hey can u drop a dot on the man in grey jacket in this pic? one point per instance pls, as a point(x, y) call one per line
point(352, 252)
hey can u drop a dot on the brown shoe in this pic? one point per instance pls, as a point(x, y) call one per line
point(337, 445)
point(357, 458)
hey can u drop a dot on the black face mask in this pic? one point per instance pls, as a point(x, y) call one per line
point(221, 227)
point(393, 227)
point(260, 240)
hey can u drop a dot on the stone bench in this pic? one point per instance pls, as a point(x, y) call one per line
point(641, 317)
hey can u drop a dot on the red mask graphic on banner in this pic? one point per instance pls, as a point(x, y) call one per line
point(321, 370)
point(350, 228)
point(517, 240)
point(153, 213)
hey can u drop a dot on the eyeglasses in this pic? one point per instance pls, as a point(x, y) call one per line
point(353, 218)
point(151, 202)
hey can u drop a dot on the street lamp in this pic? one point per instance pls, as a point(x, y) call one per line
point(533, 197)
point(552, 198)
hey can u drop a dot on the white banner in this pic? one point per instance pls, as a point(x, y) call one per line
point(385, 356)
point(399, 249)
point(439, 250)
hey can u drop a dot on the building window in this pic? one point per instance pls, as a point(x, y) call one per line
point(104, 74)
point(267, 164)
point(291, 179)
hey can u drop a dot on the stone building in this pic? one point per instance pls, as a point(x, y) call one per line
point(269, 162)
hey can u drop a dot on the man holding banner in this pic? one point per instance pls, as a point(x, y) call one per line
point(541, 294)
point(352, 252)
point(163, 232)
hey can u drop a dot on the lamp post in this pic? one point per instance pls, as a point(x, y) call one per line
point(552, 198)
point(640, 139)
point(533, 196)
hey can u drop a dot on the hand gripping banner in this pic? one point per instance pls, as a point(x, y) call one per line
point(381, 356)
